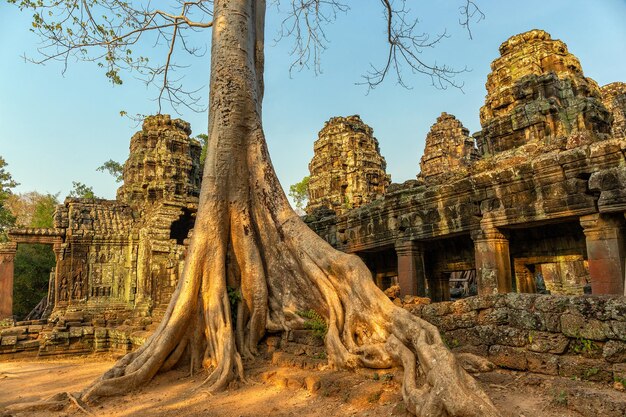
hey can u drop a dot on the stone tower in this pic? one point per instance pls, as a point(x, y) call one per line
point(162, 164)
point(347, 169)
point(537, 92)
point(614, 97)
point(449, 149)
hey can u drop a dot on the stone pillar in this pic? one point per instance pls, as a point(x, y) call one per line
point(493, 263)
point(605, 252)
point(411, 276)
point(7, 255)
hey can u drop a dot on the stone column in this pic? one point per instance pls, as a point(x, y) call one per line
point(7, 255)
point(493, 263)
point(604, 235)
point(411, 276)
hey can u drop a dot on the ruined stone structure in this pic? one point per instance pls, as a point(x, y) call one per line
point(614, 99)
point(449, 150)
point(347, 169)
point(541, 208)
point(120, 260)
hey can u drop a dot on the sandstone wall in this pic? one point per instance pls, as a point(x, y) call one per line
point(582, 336)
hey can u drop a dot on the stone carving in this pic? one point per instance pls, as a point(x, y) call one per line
point(614, 98)
point(106, 249)
point(449, 150)
point(536, 92)
point(347, 169)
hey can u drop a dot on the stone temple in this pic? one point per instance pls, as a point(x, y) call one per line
point(118, 261)
point(533, 203)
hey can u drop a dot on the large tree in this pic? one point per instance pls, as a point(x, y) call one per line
point(246, 235)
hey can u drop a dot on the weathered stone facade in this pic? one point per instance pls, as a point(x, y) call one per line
point(614, 99)
point(583, 337)
point(449, 150)
point(536, 92)
point(541, 209)
point(119, 260)
point(347, 169)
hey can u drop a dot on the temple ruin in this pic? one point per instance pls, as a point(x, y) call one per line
point(347, 169)
point(118, 261)
point(533, 203)
point(537, 206)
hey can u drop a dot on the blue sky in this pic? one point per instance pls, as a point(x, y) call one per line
point(55, 129)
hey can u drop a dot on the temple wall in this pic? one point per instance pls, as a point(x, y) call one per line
point(583, 337)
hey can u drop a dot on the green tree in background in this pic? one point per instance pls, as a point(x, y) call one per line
point(114, 168)
point(7, 219)
point(204, 141)
point(33, 262)
point(299, 192)
point(80, 190)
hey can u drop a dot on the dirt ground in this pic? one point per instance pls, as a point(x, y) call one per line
point(286, 391)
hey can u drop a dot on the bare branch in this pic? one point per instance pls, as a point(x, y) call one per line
point(104, 31)
point(468, 12)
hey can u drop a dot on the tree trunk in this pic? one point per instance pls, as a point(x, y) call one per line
point(247, 237)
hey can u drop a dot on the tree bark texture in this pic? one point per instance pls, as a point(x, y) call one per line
point(247, 237)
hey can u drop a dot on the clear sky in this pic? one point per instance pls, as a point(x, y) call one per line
point(55, 129)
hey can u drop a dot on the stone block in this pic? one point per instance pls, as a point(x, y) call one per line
point(8, 340)
point(74, 316)
point(575, 325)
point(100, 332)
point(88, 330)
point(510, 336)
point(592, 307)
point(552, 303)
point(615, 308)
point(458, 321)
point(619, 329)
point(306, 337)
point(583, 368)
point(543, 363)
point(508, 357)
point(76, 332)
point(552, 321)
point(14, 331)
point(614, 351)
point(523, 319)
point(521, 301)
point(28, 345)
point(35, 328)
point(481, 302)
point(437, 309)
point(493, 316)
point(545, 342)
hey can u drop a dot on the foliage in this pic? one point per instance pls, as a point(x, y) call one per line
point(114, 168)
point(203, 138)
point(620, 380)
point(299, 192)
point(560, 398)
point(80, 190)
point(7, 219)
point(314, 322)
point(234, 296)
point(33, 209)
point(582, 346)
point(33, 263)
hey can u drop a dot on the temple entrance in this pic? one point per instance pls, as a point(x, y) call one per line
point(384, 267)
point(33, 269)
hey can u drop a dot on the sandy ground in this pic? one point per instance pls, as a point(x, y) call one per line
point(279, 391)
